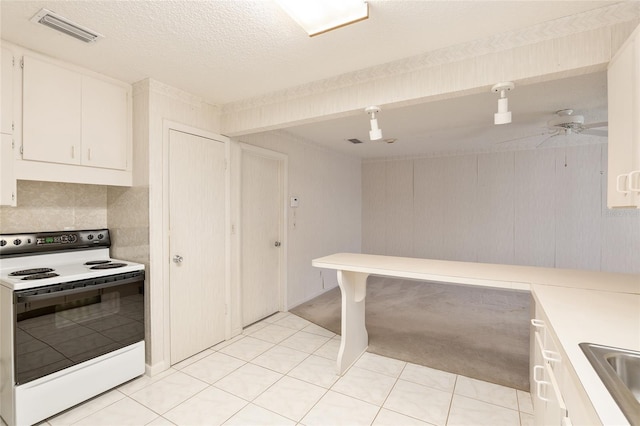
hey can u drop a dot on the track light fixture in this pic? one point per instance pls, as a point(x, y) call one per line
point(503, 116)
point(375, 133)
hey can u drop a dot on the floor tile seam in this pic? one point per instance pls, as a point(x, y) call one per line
point(453, 393)
point(181, 402)
point(220, 378)
point(145, 406)
point(210, 386)
point(160, 417)
point(82, 404)
point(326, 391)
point(148, 384)
point(481, 400)
point(407, 415)
point(269, 410)
point(381, 406)
point(280, 414)
point(431, 387)
point(270, 341)
point(276, 371)
point(381, 372)
point(487, 402)
point(359, 399)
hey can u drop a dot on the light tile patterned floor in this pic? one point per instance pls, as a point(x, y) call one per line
point(281, 371)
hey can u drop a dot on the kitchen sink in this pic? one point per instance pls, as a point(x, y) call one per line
point(619, 370)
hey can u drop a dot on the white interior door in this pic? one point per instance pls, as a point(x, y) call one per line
point(262, 235)
point(196, 243)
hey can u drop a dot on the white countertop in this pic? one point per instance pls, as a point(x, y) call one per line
point(582, 306)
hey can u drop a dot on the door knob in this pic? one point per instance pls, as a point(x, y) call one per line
point(278, 244)
point(177, 259)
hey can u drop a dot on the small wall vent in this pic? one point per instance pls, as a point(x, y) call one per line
point(65, 26)
point(354, 141)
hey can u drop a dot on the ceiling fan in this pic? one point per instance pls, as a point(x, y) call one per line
point(565, 123)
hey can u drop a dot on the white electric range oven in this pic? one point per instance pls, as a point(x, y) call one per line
point(71, 322)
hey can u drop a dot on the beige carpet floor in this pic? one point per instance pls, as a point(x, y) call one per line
point(477, 332)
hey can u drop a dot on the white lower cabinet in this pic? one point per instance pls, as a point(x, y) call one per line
point(558, 397)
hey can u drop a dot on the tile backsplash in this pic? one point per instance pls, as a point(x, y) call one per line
point(53, 206)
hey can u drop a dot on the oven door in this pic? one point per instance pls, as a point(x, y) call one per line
point(65, 324)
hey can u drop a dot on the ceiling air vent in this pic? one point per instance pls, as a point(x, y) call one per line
point(354, 141)
point(62, 24)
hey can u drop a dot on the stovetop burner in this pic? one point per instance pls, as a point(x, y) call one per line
point(41, 276)
point(97, 262)
point(109, 266)
point(31, 271)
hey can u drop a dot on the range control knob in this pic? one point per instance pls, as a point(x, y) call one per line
point(73, 238)
point(3, 243)
point(100, 236)
point(17, 241)
point(90, 237)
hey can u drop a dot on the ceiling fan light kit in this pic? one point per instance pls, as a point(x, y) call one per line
point(375, 133)
point(503, 116)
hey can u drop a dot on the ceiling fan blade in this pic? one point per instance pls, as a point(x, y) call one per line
point(522, 137)
point(546, 139)
point(595, 125)
point(595, 132)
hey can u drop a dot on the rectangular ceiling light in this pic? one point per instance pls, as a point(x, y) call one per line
point(64, 25)
point(320, 16)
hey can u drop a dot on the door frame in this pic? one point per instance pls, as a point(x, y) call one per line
point(283, 173)
point(167, 126)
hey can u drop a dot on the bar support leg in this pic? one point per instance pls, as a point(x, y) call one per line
point(355, 340)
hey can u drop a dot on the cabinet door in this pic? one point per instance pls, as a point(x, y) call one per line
point(8, 192)
point(51, 113)
point(6, 111)
point(624, 125)
point(104, 124)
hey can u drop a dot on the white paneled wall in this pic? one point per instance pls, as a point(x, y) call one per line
point(578, 207)
point(494, 208)
point(521, 207)
point(534, 230)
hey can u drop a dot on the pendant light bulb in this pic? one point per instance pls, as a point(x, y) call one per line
point(375, 133)
point(503, 116)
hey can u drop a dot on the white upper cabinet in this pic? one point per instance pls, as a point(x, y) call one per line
point(52, 108)
point(6, 108)
point(72, 118)
point(623, 187)
point(8, 183)
point(104, 124)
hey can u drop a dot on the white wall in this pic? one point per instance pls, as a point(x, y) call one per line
point(522, 207)
point(328, 219)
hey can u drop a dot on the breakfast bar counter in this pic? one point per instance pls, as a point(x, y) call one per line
point(600, 293)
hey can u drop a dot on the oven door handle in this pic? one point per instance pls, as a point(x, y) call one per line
point(30, 298)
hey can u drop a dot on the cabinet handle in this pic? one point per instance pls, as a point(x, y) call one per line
point(537, 323)
point(89, 154)
point(536, 369)
point(551, 356)
point(539, 385)
point(73, 151)
point(618, 186)
point(630, 181)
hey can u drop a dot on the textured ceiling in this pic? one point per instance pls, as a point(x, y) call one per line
point(232, 51)
point(226, 51)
